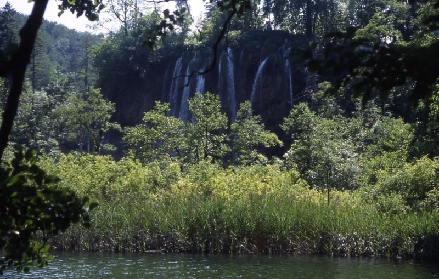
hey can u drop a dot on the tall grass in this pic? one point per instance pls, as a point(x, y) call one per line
point(259, 209)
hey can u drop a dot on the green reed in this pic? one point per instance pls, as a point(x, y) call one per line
point(255, 224)
point(243, 210)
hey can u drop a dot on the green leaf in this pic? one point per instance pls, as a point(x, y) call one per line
point(85, 200)
point(31, 156)
point(14, 180)
point(92, 206)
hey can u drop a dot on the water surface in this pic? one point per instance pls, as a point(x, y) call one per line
point(118, 266)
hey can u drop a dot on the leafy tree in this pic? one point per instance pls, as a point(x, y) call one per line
point(33, 209)
point(214, 18)
point(29, 206)
point(426, 125)
point(8, 28)
point(383, 27)
point(40, 65)
point(252, 19)
point(35, 126)
point(125, 11)
point(303, 16)
point(15, 66)
point(322, 150)
point(394, 48)
point(7, 41)
point(360, 13)
point(85, 119)
point(414, 184)
point(211, 24)
point(159, 136)
point(127, 15)
point(325, 105)
point(202, 139)
point(386, 148)
point(248, 134)
point(388, 135)
point(66, 51)
point(206, 134)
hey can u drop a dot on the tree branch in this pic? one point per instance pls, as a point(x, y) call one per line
point(214, 47)
point(17, 69)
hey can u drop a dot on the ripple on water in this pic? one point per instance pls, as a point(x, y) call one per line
point(97, 266)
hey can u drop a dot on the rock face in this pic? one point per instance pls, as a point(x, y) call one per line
point(255, 68)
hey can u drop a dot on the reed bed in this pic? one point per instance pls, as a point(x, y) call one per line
point(259, 209)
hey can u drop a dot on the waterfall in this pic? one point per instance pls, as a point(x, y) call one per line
point(184, 107)
point(175, 86)
point(285, 52)
point(193, 66)
point(201, 80)
point(290, 81)
point(226, 83)
point(231, 85)
point(165, 84)
point(257, 84)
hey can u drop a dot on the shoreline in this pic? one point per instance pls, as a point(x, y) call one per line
point(342, 246)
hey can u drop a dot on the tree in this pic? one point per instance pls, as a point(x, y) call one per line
point(427, 130)
point(32, 209)
point(7, 28)
point(303, 16)
point(121, 62)
point(385, 146)
point(159, 136)
point(40, 66)
point(15, 67)
point(203, 138)
point(34, 124)
point(360, 12)
point(125, 11)
point(85, 118)
point(8, 41)
point(387, 53)
point(126, 15)
point(322, 149)
point(206, 133)
point(248, 134)
point(30, 204)
point(381, 28)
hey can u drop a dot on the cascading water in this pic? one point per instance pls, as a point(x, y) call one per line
point(257, 84)
point(231, 84)
point(191, 73)
point(290, 81)
point(184, 107)
point(285, 52)
point(226, 82)
point(201, 80)
point(175, 86)
point(272, 84)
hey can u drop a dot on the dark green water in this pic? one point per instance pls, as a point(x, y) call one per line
point(223, 266)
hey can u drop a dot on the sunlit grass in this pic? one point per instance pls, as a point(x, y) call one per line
point(260, 209)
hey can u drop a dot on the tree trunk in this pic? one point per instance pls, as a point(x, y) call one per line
point(309, 32)
point(16, 69)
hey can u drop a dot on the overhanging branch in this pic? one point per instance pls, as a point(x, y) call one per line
point(215, 45)
point(16, 69)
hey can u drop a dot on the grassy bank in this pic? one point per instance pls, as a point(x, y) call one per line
point(258, 209)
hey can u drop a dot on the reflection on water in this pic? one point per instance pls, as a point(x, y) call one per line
point(119, 266)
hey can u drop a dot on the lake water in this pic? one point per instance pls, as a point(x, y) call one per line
point(118, 266)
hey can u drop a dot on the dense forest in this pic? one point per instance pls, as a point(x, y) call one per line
point(338, 156)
